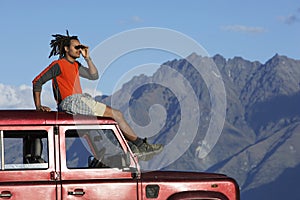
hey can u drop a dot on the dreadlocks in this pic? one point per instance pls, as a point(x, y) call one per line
point(59, 43)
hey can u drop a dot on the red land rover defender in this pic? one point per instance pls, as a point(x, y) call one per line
point(53, 155)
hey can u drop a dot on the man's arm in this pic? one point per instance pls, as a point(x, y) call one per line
point(37, 102)
point(91, 66)
point(51, 71)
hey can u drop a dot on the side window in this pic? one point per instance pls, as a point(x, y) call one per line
point(24, 149)
point(94, 148)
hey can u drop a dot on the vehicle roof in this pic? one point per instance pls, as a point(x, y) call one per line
point(33, 117)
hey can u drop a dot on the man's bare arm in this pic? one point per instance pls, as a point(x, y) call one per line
point(37, 102)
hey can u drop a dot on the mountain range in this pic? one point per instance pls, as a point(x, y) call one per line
point(258, 144)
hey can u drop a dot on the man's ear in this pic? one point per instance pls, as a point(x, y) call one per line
point(66, 48)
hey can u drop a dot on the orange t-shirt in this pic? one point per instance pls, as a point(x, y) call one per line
point(65, 79)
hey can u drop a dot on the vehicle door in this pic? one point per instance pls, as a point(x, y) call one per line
point(27, 163)
point(94, 164)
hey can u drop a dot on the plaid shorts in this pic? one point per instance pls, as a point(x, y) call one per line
point(82, 104)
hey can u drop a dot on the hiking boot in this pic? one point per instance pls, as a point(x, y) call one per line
point(133, 147)
point(145, 147)
point(146, 151)
point(141, 156)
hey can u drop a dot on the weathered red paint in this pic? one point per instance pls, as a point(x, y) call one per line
point(58, 182)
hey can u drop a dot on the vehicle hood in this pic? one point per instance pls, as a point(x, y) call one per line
point(179, 175)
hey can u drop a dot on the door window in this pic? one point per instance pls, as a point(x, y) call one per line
point(24, 149)
point(94, 148)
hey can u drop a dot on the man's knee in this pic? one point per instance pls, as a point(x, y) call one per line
point(111, 112)
point(117, 114)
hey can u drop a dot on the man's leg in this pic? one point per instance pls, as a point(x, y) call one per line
point(140, 147)
point(124, 126)
point(100, 109)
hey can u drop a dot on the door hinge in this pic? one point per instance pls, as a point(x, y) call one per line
point(55, 130)
point(54, 176)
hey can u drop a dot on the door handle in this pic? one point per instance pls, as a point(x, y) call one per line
point(77, 192)
point(5, 194)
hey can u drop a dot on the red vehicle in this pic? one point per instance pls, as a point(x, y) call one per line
point(60, 156)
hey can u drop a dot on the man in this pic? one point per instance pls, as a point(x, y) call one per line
point(67, 90)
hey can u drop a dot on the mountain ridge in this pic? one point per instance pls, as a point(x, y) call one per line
point(257, 144)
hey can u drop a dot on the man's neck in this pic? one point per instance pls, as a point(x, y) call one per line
point(70, 59)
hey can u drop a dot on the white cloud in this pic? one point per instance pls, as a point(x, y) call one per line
point(242, 28)
point(137, 19)
point(290, 19)
point(132, 20)
point(20, 97)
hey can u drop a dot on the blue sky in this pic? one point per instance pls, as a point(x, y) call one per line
point(254, 30)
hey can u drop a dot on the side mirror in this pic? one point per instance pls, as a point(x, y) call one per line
point(129, 168)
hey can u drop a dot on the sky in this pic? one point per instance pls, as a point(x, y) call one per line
point(255, 30)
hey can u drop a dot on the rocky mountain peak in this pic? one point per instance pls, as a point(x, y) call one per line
point(258, 140)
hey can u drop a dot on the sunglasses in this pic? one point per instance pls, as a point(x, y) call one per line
point(80, 47)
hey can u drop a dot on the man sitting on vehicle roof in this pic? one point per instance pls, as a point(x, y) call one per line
point(65, 73)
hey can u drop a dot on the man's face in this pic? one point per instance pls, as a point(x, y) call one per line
point(71, 51)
